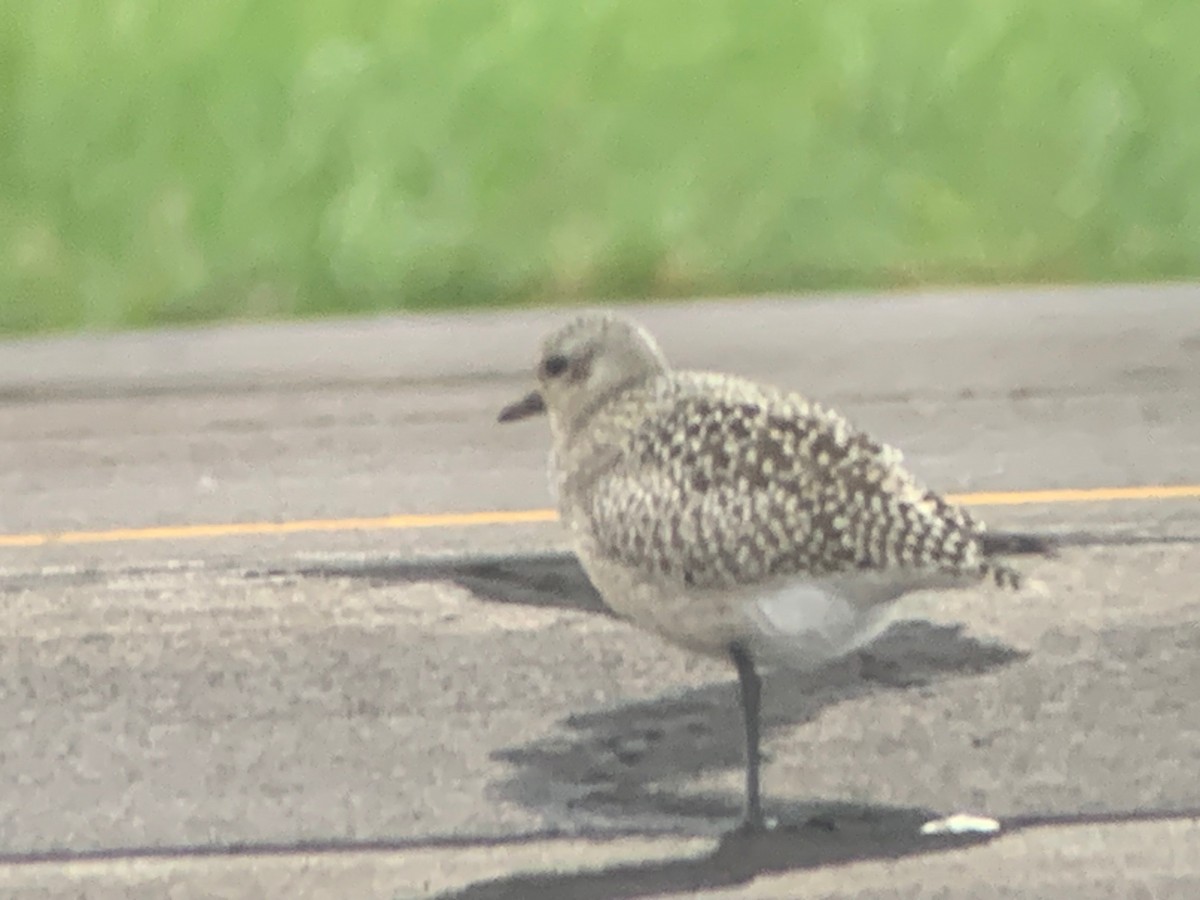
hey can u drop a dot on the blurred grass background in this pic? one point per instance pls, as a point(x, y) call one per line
point(173, 162)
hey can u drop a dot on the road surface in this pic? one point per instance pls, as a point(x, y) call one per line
point(286, 617)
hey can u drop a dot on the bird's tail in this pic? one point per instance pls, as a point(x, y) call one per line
point(1011, 543)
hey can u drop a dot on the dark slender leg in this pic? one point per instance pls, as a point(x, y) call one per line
point(751, 688)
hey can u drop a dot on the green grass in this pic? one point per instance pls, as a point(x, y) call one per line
point(175, 162)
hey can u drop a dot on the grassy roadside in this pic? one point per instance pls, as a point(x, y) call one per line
point(167, 162)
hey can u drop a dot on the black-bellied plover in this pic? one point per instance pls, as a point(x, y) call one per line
point(736, 519)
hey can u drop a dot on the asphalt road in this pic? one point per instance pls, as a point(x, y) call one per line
point(425, 705)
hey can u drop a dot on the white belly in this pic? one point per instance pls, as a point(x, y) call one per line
point(803, 625)
point(794, 624)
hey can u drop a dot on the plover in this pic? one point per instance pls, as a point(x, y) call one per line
point(736, 519)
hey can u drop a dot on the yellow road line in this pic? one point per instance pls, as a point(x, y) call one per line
point(1078, 495)
point(525, 516)
point(177, 532)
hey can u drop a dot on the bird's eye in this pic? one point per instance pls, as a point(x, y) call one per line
point(555, 365)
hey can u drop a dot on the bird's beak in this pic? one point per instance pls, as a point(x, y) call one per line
point(531, 404)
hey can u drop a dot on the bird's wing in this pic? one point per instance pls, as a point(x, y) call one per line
point(717, 491)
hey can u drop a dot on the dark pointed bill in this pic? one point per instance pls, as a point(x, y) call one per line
point(531, 404)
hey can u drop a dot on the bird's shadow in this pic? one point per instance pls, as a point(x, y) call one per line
point(739, 858)
point(612, 769)
point(605, 773)
point(608, 764)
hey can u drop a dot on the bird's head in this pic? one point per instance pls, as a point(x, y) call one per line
point(583, 364)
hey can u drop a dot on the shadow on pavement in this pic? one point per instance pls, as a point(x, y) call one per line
point(607, 770)
point(541, 579)
point(840, 836)
point(604, 770)
point(608, 763)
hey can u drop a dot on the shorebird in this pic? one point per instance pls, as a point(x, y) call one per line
point(736, 519)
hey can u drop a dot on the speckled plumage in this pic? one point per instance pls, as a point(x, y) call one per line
point(716, 482)
point(734, 518)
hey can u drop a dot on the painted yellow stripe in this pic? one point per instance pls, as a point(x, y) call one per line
point(232, 529)
point(1078, 495)
point(526, 516)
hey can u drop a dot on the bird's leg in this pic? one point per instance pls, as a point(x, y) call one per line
point(751, 691)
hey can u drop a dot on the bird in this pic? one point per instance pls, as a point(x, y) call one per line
point(740, 520)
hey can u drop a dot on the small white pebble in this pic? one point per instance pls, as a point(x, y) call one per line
point(961, 823)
